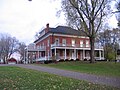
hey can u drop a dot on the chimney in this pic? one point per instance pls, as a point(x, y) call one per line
point(47, 28)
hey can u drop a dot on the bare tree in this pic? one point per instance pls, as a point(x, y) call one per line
point(118, 12)
point(105, 40)
point(21, 50)
point(115, 40)
point(110, 39)
point(7, 46)
point(86, 15)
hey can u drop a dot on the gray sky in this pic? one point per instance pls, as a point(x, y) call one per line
point(22, 19)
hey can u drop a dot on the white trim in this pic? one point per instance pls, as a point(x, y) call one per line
point(73, 48)
point(100, 54)
point(55, 52)
point(71, 36)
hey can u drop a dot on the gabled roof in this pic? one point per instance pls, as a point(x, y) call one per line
point(64, 30)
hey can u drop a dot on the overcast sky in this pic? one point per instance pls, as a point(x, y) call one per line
point(22, 19)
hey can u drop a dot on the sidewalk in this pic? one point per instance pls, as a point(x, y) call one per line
point(76, 75)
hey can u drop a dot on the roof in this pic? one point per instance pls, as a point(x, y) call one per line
point(12, 60)
point(64, 30)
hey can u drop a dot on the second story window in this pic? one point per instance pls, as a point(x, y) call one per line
point(87, 43)
point(40, 45)
point(63, 42)
point(57, 41)
point(81, 43)
point(43, 45)
point(73, 42)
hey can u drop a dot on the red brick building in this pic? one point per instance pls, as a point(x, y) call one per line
point(12, 61)
point(63, 42)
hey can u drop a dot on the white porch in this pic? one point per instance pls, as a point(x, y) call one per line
point(76, 53)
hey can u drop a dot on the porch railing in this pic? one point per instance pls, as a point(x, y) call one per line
point(42, 48)
point(75, 45)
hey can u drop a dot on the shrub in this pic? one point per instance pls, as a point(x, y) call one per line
point(46, 62)
point(72, 60)
point(67, 60)
point(77, 59)
point(61, 60)
point(85, 59)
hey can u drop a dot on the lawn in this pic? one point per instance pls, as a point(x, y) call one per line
point(15, 78)
point(98, 68)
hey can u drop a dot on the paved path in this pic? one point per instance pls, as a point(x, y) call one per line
point(76, 75)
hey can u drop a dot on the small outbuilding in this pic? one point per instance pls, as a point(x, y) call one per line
point(12, 61)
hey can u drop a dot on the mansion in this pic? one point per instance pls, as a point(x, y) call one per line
point(62, 42)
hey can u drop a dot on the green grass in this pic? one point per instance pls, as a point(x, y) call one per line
point(15, 78)
point(99, 68)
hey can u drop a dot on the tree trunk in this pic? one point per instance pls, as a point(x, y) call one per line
point(92, 52)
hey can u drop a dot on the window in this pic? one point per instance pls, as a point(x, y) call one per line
point(37, 47)
point(56, 41)
point(73, 42)
point(64, 42)
point(87, 43)
point(81, 43)
point(40, 46)
point(43, 45)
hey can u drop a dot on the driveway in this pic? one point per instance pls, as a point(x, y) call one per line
point(110, 81)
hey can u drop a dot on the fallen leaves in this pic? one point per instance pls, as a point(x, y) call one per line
point(14, 78)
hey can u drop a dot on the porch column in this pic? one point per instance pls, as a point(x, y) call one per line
point(100, 54)
point(51, 52)
point(48, 55)
point(103, 54)
point(26, 57)
point(55, 53)
point(74, 53)
point(65, 53)
point(83, 54)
